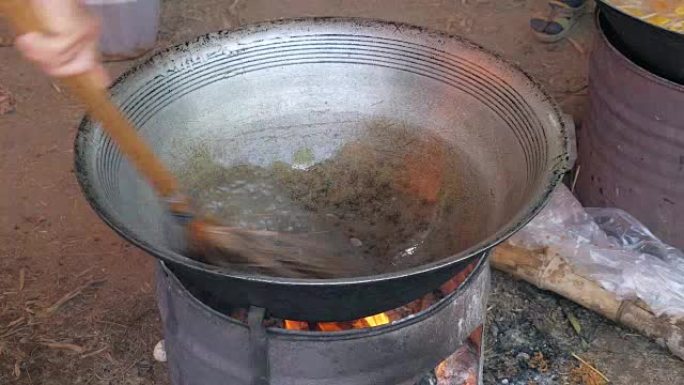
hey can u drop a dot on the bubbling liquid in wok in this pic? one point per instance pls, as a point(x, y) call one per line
point(393, 199)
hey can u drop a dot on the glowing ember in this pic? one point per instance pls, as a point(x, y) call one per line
point(453, 284)
point(334, 326)
point(296, 325)
point(392, 315)
point(461, 368)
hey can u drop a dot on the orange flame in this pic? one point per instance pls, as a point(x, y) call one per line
point(385, 318)
point(333, 326)
point(296, 325)
point(377, 320)
point(371, 321)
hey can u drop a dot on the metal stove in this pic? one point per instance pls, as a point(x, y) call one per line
point(440, 345)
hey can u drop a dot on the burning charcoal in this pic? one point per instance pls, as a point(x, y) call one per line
point(438, 294)
point(239, 314)
point(412, 308)
point(296, 325)
point(453, 284)
point(415, 306)
point(461, 368)
point(427, 301)
point(338, 326)
point(395, 315)
point(273, 323)
point(7, 102)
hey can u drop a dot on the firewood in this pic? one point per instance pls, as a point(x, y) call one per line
point(548, 270)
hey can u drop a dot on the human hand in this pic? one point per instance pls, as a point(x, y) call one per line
point(71, 46)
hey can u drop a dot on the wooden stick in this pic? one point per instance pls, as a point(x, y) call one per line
point(548, 270)
point(590, 367)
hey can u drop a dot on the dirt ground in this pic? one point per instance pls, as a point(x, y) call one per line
point(77, 303)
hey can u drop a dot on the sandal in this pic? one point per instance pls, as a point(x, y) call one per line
point(563, 15)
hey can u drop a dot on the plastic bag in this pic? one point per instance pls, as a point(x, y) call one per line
point(611, 247)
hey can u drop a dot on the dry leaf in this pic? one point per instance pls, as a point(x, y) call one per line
point(575, 323)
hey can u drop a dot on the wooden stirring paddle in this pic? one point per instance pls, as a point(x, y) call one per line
point(272, 253)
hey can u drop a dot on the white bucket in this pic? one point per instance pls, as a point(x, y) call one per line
point(129, 27)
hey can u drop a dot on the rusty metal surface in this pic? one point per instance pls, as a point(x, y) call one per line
point(205, 347)
point(631, 149)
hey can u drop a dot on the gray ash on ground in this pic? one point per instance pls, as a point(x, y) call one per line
point(428, 379)
point(530, 337)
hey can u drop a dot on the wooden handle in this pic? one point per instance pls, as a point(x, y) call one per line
point(88, 90)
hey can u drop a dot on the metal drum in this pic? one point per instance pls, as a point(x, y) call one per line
point(632, 148)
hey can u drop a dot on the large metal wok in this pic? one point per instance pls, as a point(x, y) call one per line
point(255, 95)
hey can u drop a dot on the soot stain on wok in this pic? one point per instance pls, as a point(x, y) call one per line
point(394, 197)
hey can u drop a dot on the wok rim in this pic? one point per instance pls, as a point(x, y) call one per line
point(556, 166)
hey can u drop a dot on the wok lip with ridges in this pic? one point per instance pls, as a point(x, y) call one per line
point(558, 169)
